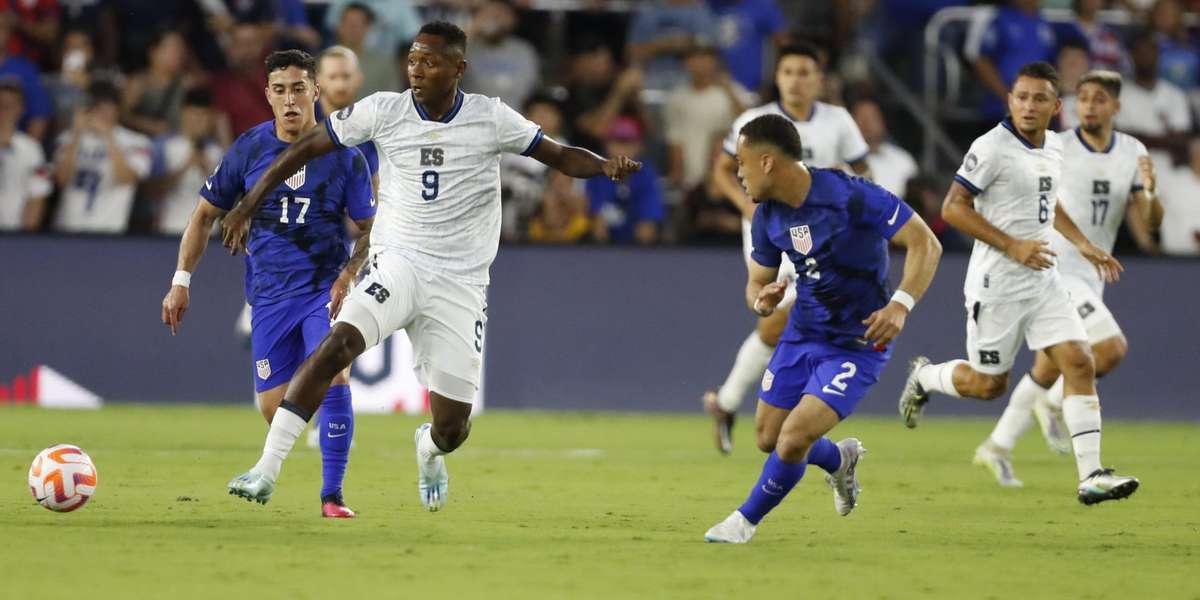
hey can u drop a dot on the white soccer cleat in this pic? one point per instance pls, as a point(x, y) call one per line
point(433, 482)
point(999, 462)
point(913, 397)
point(1054, 428)
point(735, 529)
point(844, 482)
point(1104, 485)
point(252, 486)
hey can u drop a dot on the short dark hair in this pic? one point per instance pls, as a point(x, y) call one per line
point(801, 49)
point(1040, 70)
point(282, 59)
point(12, 84)
point(542, 98)
point(1109, 80)
point(776, 131)
point(198, 97)
point(366, 10)
point(101, 91)
point(452, 35)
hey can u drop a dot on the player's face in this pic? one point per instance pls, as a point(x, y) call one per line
point(750, 163)
point(340, 80)
point(799, 79)
point(1032, 103)
point(291, 93)
point(433, 69)
point(1095, 107)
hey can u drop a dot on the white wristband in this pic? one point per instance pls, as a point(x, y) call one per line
point(182, 278)
point(904, 299)
point(761, 310)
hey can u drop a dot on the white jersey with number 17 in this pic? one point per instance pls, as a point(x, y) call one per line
point(439, 179)
point(1015, 185)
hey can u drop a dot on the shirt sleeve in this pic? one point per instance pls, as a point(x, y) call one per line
point(770, 18)
point(764, 251)
point(991, 44)
point(515, 134)
point(360, 203)
point(356, 123)
point(1138, 152)
point(881, 210)
point(224, 186)
point(138, 155)
point(852, 147)
point(979, 168)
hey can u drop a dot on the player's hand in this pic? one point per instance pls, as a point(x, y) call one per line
point(235, 228)
point(174, 305)
point(1110, 269)
point(337, 295)
point(1145, 171)
point(885, 324)
point(618, 167)
point(1034, 254)
point(769, 297)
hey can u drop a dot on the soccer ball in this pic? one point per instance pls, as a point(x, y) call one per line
point(62, 478)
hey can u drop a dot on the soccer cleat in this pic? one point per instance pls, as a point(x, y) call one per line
point(844, 482)
point(722, 422)
point(735, 529)
point(433, 482)
point(1054, 428)
point(999, 462)
point(333, 507)
point(1104, 485)
point(914, 397)
point(252, 486)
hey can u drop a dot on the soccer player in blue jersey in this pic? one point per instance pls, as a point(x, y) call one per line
point(835, 228)
point(298, 266)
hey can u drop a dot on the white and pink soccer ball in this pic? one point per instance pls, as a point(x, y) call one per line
point(62, 478)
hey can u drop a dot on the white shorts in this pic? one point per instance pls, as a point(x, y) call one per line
point(995, 330)
point(444, 319)
point(787, 270)
point(1097, 319)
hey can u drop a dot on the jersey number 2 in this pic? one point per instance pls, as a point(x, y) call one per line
point(839, 380)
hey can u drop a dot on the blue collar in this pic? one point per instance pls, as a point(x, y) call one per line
point(812, 111)
point(458, 102)
point(1112, 141)
point(1008, 124)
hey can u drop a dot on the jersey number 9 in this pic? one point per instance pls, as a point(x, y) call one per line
point(429, 180)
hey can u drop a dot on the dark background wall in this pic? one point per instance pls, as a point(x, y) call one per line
point(569, 328)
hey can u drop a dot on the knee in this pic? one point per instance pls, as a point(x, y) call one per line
point(339, 349)
point(1109, 354)
point(765, 441)
point(451, 431)
point(793, 445)
point(1079, 364)
point(992, 386)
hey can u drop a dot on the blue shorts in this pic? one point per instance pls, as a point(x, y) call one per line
point(838, 376)
point(283, 334)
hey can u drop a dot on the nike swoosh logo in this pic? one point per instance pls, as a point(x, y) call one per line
point(829, 391)
point(892, 221)
point(337, 436)
point(208, 184)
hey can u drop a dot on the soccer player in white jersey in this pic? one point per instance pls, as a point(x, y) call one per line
point(24, 180)
point(434, 239)
point(1107, 178)
point(1005, 196)
point(831, 139)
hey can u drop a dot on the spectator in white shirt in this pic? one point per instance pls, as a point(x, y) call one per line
point(190, 155)
point(1152, 109)
point(697, 112)
point(98, 165)
point(1181, 207)
point(891, 166)
point(503, 65)
point(24, 180)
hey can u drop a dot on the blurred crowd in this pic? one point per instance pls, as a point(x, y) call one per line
point(113, 112)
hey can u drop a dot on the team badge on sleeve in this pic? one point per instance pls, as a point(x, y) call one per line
point(264, 368)
point(801, 239)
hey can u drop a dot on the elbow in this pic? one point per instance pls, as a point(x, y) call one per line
point(933, 248)
point(950, 213)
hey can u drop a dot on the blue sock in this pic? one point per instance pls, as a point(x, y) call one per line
point(777, 479)
point(825, 454)
point(336, 427)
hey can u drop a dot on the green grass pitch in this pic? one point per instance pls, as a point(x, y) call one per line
point(588, 506)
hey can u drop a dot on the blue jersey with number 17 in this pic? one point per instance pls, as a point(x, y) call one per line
point(838, 241)
point(298, 242)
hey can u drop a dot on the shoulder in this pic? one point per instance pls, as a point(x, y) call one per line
point(1056, 141)
point(754, 113)
point(992, 142)
point(831, 112)
point(1130, 144)
point(25, 145)
point(130, 137)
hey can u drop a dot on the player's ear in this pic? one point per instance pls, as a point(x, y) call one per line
point(316, 91)
point(767, 162)
point(1057, 106)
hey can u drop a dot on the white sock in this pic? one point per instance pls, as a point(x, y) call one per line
point(426, 448)
point(1055, 394)
point(285, 428)
point(1018, 415)
point(746, 374)
point(940, 377)
point(1082, 414)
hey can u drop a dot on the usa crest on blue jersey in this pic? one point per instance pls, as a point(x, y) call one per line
point(801, 239)
point(296, 180)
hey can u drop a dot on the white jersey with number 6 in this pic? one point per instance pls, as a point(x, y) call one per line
point(439, 180)
point(1015, 185)
point(1096, 186)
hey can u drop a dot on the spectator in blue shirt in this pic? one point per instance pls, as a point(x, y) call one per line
point(1016, 36)
point(396, 21)
point(743, 28)
point(36, 118)
point(630, 210)
point(1178, 56)
point(662, 33)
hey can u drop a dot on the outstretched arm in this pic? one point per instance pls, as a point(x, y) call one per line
point(191, 248)
point(922, 253)
point(581, 163)
point(237, 223)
